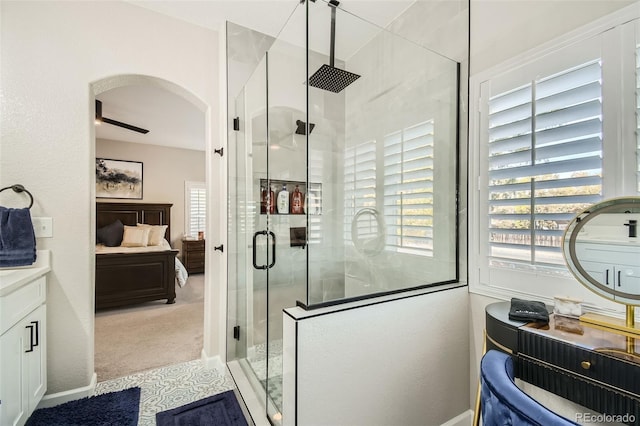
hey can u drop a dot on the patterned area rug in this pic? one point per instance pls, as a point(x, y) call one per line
point(116, 408)
point(170, 387)
point(220, 410)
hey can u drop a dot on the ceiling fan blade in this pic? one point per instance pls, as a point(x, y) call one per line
point(102, 119)
point(125, 125)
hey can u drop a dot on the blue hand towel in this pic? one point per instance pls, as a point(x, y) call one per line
point(17, 238)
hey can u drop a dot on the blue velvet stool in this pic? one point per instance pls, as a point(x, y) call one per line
point(503, 403)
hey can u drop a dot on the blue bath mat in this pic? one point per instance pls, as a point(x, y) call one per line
point(221, 410)
point(110, 409)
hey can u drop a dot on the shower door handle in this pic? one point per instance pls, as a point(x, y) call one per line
point(255, 238)
point(273, 249)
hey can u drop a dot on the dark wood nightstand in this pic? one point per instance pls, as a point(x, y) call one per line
point(193, 255)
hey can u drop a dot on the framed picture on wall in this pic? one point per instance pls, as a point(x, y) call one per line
point(118, 179)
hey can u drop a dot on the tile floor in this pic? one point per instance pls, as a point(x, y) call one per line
point(169, 387)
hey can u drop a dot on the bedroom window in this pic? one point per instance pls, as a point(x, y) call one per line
point(195, 208)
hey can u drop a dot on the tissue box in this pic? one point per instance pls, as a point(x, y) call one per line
point(567, 307)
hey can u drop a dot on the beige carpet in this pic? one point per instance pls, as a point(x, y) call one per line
point(150, 335)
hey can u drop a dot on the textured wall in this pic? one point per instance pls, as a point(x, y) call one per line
point(51, 52)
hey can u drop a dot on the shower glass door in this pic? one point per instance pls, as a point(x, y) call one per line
point(267, 226)
point(250, 243)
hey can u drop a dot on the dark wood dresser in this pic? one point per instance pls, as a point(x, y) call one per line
point(592, 367)
point(193, 256)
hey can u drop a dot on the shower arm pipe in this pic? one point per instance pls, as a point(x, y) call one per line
point(332, 52)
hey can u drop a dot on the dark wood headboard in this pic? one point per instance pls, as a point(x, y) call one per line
point(133, 213)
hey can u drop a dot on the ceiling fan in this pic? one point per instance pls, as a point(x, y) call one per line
point(101, 119)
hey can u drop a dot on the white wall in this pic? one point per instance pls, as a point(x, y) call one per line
point(51, 52)
point(402, 362)
point(165, 171)
point(500, 30)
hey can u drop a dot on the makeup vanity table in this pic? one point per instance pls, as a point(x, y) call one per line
point(595, 368)
point(592, 360)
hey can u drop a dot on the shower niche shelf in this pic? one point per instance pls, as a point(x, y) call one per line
point(311, 196)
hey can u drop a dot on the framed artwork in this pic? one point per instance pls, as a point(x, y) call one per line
point(118, 179)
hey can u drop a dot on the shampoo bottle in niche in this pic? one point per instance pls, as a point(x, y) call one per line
point(297, 201)
point(283, 200)
point(271, 200)
point(263, 199)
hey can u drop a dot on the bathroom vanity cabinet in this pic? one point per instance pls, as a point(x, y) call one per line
point(613, 264)
point(23, 353)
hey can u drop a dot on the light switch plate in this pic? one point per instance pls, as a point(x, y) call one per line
point(43, 227)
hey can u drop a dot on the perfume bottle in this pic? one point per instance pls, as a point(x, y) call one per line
point(297, 201)
point(283, 200)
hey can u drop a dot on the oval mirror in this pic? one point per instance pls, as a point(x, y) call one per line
point(602, 249)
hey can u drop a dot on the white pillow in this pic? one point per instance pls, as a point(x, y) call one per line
point(156, 233)
point(135, 236)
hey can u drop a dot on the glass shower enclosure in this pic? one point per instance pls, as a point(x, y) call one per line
point(343, 166)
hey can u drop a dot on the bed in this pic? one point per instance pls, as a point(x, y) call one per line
point(131, 275)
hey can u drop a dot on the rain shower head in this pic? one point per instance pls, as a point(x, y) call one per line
point(332, 79)
point(328, 77)
point(301, 128)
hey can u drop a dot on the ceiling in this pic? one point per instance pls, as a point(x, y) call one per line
point(171, 120)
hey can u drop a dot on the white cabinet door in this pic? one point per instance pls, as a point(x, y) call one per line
point(601, 272)
point(14, 395)
point(36, 357)
point(23, 371)
point(628, 279)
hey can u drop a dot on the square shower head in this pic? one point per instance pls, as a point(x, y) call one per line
point(332, 79)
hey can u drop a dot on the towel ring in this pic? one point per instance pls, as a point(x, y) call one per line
point(19, 188)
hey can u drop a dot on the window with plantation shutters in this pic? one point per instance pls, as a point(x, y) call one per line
point(408, 189)
point(195, 208)
point(359, 186)
point(544, 163)
point(552, 131)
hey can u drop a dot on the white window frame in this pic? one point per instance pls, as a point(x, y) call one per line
point(619, 153)
point(188, 186)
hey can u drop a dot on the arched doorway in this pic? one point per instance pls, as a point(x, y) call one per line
point(153, 334)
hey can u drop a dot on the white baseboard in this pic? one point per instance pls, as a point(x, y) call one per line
point(464, 419)
point(213, 362)
point(53, 399)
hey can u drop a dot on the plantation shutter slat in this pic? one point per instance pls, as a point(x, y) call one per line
point(566, 166)
point(544, 165)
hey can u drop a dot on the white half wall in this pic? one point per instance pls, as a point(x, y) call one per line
point(394, 362)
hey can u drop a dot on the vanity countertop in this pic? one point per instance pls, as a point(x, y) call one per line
point(13, 278)
point(620, 241)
